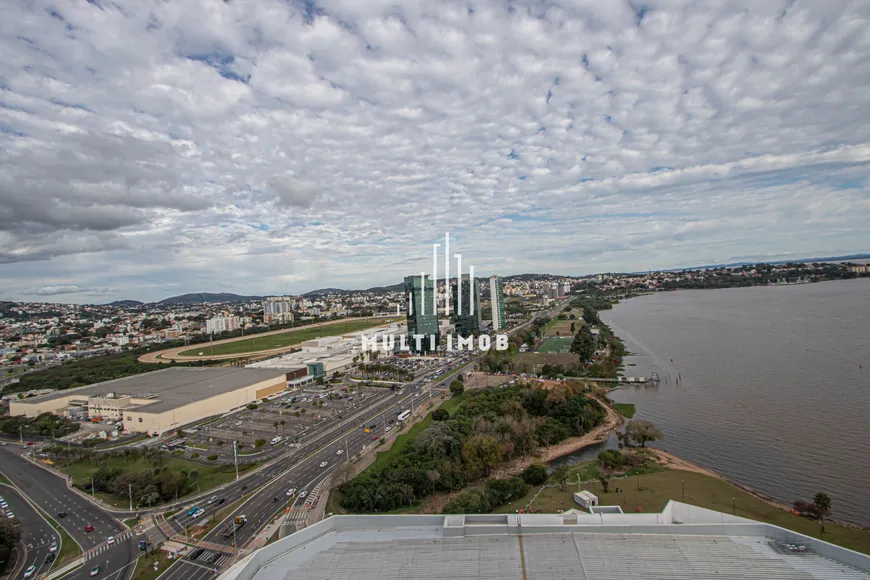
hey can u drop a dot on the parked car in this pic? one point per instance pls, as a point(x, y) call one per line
point(110, 540)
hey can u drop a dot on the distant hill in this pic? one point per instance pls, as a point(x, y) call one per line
point(201, 297)
point(325, 291)
point(125, 303)
point(393, 288)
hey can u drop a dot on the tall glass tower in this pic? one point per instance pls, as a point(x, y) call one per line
point(420, 312)
point(496, 297)
point(466, 306)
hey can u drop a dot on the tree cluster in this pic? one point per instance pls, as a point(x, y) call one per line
point(45, 425)
point(9, 536)
point(495, 493)
point(489, 427)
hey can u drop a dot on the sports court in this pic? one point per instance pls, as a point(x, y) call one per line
point(556, 345)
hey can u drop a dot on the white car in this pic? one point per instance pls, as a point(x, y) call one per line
point(111, 540)
point(52, 548)
point(388, 429)
point(324, 464)
point(339, 452)
point(29, 572)
point(291, 492)
point(4, 505)
point(197, 514)
point(238, 423)
point(302, 494)
point(212, 499)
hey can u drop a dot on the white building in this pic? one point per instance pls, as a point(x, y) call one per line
point(279, 308)
point(220, 324)
point(681, 542)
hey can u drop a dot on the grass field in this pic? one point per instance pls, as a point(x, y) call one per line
point(709, 492)
point(561, 345)
point(145, 566)
point(288, 338)
point(81, 471)
point(561, 328)
point(4, 480)
point(627, 410)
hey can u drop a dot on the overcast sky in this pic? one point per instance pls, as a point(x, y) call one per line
point(154, 148)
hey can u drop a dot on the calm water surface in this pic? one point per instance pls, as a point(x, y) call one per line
point(772, 394)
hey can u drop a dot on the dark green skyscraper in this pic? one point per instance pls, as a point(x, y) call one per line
point(466, 307)
point(420, 312)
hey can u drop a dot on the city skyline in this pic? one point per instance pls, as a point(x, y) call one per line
point(274, 148)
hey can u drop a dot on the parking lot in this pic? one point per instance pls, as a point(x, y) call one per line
point(266, 431)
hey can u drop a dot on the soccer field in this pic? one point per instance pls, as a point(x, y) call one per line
point(556, 345)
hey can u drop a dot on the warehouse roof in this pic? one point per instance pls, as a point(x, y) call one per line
point(575, 546)
point(172, 387)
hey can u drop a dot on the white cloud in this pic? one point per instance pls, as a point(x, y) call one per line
point(157, 147)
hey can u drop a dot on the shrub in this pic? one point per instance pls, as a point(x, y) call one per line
point(535, 474)
point(440, 415)
point(212, 457)
point(259, 442)
point(611, 459)
point(503, 490)
point(195, 455)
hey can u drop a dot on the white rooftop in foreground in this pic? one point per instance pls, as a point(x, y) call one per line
point(575, 546)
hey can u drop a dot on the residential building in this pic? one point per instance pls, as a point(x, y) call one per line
point(279, 309)
point(496, 297)
point(421, 313)
point(466, 306)
point(220, 324)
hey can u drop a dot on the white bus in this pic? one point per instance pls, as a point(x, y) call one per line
point(404, 415)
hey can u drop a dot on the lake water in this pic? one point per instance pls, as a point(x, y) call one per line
point(772, 395)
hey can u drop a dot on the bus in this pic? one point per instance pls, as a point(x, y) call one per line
point(404, 415)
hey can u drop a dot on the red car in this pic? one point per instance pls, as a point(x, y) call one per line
point(89, 528)
point(374, 437)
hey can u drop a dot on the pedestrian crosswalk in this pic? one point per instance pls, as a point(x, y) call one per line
point(97, 550)
point(214, 546)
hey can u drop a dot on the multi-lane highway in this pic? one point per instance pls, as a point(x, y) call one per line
point(302, 472)
point(40, 540)
point(51, 494)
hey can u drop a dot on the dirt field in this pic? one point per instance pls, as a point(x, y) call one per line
point(561, 328)
point(482, 380)
point(530, 362)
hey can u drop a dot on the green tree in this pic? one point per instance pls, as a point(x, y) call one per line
point(641, 432)
point(535, 474)
point(560, 476)
point(457, 388)
point(823, 507)
point(9, 537)
point(259, 443)
point(251, 407)
point(440, 415)
point(583, 345)
point(483, 453)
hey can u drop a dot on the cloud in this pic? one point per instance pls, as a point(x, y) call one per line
point(293, 193)
point(140, 142)
point(71, 289)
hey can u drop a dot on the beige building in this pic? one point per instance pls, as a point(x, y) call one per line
point(162, 400)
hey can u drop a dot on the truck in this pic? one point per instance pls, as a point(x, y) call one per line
point(236, 525)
